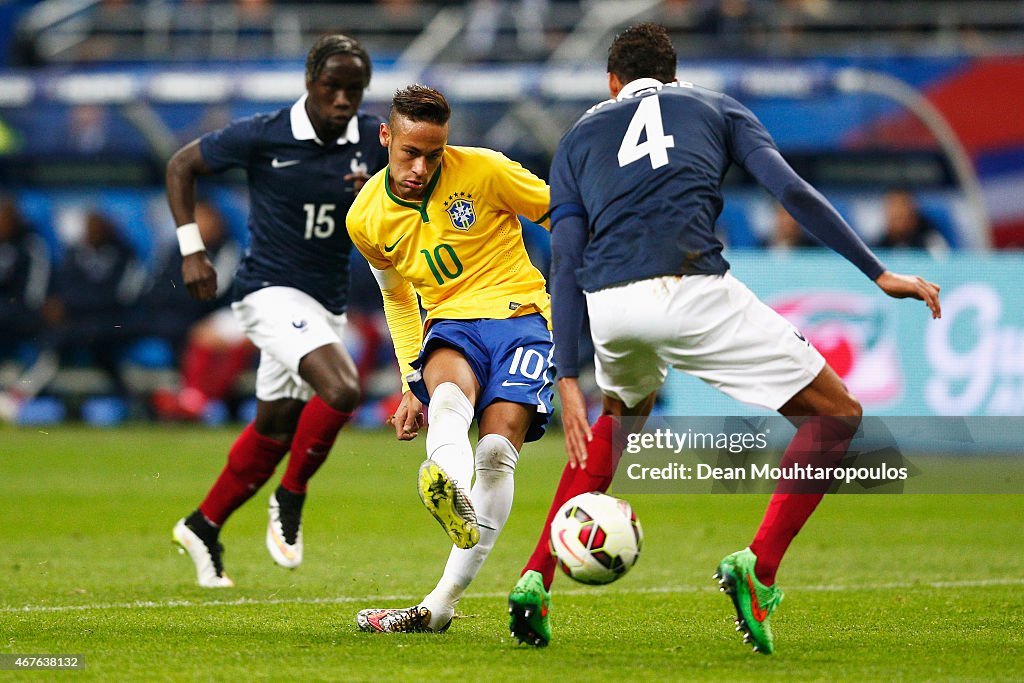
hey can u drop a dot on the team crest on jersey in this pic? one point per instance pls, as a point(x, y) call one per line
point(459, 207)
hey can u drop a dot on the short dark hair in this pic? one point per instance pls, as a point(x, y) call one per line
point(420, 103)
point(335, 44)
point(643, 51)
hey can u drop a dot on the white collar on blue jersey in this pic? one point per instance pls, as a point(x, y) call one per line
point(302, 127)
point(638, 85)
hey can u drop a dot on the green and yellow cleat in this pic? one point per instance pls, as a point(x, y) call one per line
point(528, 608)
point(754, 601)
point(449, 504)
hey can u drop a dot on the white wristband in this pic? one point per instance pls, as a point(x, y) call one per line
point(189, 239)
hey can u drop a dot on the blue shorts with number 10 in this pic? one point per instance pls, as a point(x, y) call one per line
point(511, 359)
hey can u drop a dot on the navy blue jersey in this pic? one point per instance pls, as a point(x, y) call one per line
point(297, 198)
point(647, 168)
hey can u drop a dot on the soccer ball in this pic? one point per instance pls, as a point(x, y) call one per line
point(596, 538)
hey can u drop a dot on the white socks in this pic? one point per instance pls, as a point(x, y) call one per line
point(496, 460)
point(449, 414)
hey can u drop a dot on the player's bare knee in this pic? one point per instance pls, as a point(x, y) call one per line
point(850, 407)
point(844, 415)
point(495, 454)
point(342, 394)
point(278, 420)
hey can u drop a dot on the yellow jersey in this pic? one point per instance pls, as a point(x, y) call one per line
point(461, 248)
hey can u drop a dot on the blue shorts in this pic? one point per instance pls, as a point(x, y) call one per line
point(511, 359)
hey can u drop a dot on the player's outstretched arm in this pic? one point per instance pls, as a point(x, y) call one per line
point(197, 272)
point(820, 218)
point(568, 239)
point(810, 209)
point(911, 287)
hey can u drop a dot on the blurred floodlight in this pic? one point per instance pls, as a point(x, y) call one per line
point(571, 84)
point(16, 91)
point(273, 86)
point(97, 88)
point(189, 87)
point(777, 82)
point(385, 83)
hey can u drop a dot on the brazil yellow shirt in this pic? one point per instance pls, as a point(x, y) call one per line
point(461, 248)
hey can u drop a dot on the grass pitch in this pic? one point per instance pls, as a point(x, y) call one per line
point(886, 587)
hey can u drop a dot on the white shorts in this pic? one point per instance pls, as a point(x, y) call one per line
point(285, 324)
point(709, 326)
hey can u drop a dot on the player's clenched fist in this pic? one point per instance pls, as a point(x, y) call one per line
point(199, 275)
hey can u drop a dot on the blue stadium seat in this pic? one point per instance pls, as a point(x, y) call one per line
point(42, 410)
point(151, 353)
point(104, 411)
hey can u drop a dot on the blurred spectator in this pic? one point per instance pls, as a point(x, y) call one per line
point(24, 275)
point(254, 29)
point(88, 129)
point(89, 310)
point(397, 8)
point(253, 10)
point(787, 233)
point(210, 346)
point(82, 132)
point(810, 8)
point(906, 227)
point(790, 19)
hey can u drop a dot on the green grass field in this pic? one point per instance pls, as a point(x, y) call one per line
point(909, 587)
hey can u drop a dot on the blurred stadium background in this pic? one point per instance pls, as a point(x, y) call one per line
point(905, 112)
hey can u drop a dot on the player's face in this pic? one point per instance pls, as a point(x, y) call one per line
point(335, 96)
point(414, 153)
